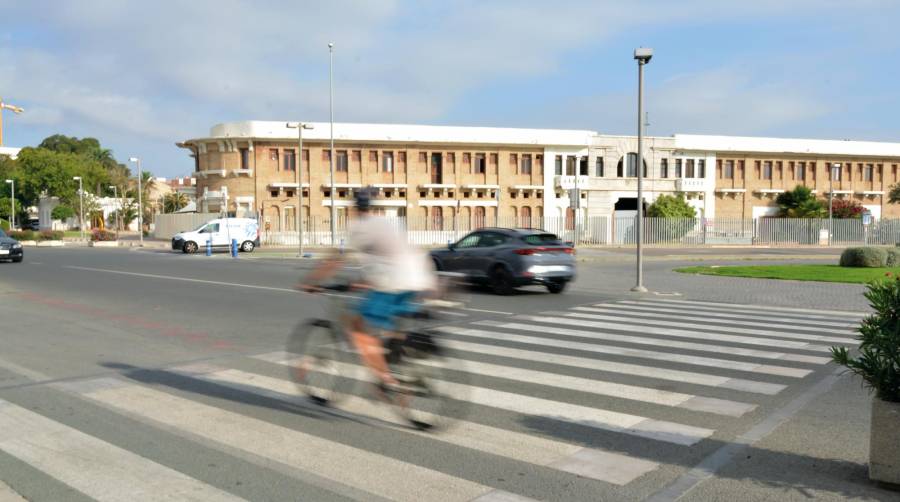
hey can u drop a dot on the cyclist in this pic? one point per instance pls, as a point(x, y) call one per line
point(394, 273)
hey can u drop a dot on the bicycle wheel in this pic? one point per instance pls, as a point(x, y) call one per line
point(317, 351)
point(428, 399)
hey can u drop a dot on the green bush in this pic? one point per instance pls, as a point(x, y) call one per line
point(878, 362)
point(22, 235)
point(893, 257)
point(102, 235)
point(50, 235)
point(4, 225)
point(864, 257)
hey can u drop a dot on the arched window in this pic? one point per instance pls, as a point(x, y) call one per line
point(628, 168)
point(479, 217)
point(514, 216)
point(570, 218)
point(437, 218)
point(526, 217)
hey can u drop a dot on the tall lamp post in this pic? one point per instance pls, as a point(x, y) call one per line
point(81, 205)
point(835, 170)
point(331, 111)
point(12, 204)
point(140, 174)
point(300, 126)
point(642, 55)
point(118, 207)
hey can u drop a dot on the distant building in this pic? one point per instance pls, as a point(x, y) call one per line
point(477, 174)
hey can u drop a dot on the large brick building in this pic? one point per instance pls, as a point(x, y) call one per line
point(476, 175)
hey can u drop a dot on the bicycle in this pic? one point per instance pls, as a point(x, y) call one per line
point(326, 367)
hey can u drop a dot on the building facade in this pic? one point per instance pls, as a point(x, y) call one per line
point(484, 176)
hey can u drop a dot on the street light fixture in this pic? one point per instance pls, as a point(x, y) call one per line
point(80, 205)
point(300, 126)
point(137, 160)
point(115, 190)
point(642, 55)
point(835, 171)
point(12, 205)
point(331, 111)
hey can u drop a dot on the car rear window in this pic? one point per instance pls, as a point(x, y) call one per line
point(542, 240)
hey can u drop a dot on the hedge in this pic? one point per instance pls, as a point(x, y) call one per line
point(864, 257)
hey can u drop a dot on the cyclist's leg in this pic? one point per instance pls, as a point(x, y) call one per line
point(369, 346)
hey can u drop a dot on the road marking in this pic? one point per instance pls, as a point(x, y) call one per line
point(183, 279)
point(598, 418)
point(36, 376)
point(598, 335)
point(603, 388)
point(7, 494)
point(704, 379)
point(587, 462)
point(94, 467)
point(681, 333)
point(730, 307)
point(363, 470)
point(617, 309)
point(644, 306)
point(489, 311)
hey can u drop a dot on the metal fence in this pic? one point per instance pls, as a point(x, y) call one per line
point(167, 225)
point(607, 231)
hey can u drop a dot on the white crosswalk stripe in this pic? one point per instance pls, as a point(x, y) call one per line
point(666, 373)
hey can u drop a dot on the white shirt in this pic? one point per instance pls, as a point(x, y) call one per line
point(388, 262)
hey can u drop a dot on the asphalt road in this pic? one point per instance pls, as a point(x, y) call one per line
point(148, 375)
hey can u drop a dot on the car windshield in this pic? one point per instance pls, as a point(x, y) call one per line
point(542, 240)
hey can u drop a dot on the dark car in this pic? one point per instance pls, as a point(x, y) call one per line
point(10, 249)
point(32, 225)
point(506, 258)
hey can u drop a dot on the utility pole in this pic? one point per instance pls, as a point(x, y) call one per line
point(642, 55)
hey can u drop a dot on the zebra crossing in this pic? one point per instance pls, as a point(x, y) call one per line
point(593, 402)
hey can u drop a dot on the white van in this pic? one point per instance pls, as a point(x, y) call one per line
point(220, 232)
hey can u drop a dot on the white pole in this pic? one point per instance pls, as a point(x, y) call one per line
point(12, 205)
point(140, 204)
point(642, 56)
point(331, 110)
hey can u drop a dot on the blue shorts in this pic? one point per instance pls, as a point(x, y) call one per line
point(380, 309)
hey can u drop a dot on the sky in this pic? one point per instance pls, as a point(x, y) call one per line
point(141, 76)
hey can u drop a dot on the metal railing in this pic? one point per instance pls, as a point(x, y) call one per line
point(607, 231)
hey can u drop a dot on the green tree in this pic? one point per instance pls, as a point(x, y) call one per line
point(62, 212)
point(894, 193)
point(45, 171)
point(800, 203)
point(174, 201)
point(671, 206)
point(845, 208)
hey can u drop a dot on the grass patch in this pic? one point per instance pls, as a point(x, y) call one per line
point(820, 273)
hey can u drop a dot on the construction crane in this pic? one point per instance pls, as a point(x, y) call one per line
point(7, 106)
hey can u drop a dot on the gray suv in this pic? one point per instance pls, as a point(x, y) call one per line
point(505, 258)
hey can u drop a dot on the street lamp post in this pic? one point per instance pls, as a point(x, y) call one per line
point(300, 127)
point(642, 55)
point(118, 207)
point(835, 169)
point(81, 205)
point(137, 160)
point(12, 205)
point(331, 111)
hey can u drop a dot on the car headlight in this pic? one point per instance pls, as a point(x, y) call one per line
point(16, 245)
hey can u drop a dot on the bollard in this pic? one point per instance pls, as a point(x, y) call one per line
point(209, 247)
point(341, 250)
point(234, 248)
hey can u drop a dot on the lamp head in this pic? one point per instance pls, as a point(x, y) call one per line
point(643, 54)
point(9, 181)
point(76, 178)
point(331, 45)
point(133, 159)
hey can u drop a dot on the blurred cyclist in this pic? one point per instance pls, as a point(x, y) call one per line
point(394, 273)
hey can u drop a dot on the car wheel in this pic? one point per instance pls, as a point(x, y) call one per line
point(502, 281)
point(437, 264)
point(247, 247)
point(18, 259)
point(556, 287)
point(190, 247)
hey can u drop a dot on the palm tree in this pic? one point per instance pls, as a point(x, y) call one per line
point(174, 201)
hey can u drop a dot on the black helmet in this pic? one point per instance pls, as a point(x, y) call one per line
point(364, 197)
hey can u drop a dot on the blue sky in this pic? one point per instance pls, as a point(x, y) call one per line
point(141, 76)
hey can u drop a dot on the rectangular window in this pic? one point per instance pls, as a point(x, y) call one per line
point(326, 155)
point(387, 162)
point(767, 170)
point(570, 165)
point(373, 156)
point(480, 167)
point(598, 167)
point(273, 154)
point(557, 167)
point(356, 156)
point(880, 170)
point(834, 173)
point(526, 164)
point(741, 169)
point(664, 168)
point(290, 162)
point(868, 173)
point(245, 158)
point(801, 171)
point(306, 156)
point(514, 162)
point(728, 171)
point(631, 168)
point(423, 157)
point(894, 171)
point(678, 168)
point(780, 170)
point(494, 158)
point(540, 163)
point(341, 161)
point(583, 166)
point(701, 168)
point(689, 168)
